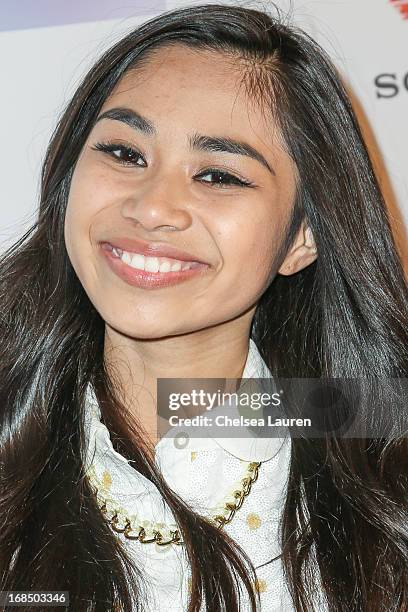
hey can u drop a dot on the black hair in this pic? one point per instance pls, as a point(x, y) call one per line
point(344, 315)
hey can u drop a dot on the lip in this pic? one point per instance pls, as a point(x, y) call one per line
point(152, 249)
point(149, 280)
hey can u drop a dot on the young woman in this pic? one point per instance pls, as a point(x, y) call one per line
point(221, 136)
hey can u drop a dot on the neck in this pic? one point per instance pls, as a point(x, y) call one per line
point(219, 352)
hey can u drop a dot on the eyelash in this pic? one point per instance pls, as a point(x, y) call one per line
point(110, 147)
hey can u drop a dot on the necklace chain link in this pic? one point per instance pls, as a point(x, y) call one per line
point(220, 519)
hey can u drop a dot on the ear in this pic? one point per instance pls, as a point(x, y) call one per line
point(301, 254)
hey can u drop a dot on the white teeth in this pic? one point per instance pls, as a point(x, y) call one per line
point(127, 258)
point(138, 261)
point(152, 264)
point(165, 266)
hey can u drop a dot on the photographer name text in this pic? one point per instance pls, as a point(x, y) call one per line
point(223, 420)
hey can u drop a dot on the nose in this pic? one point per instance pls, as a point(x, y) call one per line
point(161, 204)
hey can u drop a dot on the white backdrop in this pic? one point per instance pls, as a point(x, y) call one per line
point(47, 45)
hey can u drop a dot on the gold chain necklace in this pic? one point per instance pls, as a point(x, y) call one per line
point(113, 515)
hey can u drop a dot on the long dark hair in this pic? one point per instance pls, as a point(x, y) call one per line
point(344, 315)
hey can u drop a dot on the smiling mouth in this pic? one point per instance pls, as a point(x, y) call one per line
point(150, 272)
point(151, 264)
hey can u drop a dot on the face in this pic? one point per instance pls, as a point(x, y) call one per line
point(143, 182)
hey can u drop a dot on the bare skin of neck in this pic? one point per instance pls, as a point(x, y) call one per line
point(218, 352)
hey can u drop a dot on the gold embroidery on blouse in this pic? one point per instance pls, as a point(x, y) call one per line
point(261, 585)
point(107, 480)
point(253, 521)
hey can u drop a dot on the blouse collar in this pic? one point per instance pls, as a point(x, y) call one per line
point(249, 447)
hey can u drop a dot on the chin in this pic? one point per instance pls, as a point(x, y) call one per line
point(137, 328)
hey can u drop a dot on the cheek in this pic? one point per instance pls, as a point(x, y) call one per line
point(83, 204)
point(74, 226)
point(249, 245)
point(90, 193)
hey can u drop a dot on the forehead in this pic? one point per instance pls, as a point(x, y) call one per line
point(181, 88)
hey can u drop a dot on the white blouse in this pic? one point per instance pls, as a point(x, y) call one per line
point(203, 472)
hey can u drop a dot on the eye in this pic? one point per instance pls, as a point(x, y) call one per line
point(128, 156)
point(224, 179)
point(123, 154)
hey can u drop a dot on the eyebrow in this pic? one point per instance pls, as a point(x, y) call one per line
point(197, 142)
